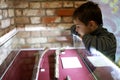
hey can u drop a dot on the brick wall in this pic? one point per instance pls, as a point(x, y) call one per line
point(7, 28)
point(56, 14)
point(43, 23)
point(45, 38)
point(6, 17)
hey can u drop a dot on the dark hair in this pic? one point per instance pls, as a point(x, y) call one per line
point(88, 11)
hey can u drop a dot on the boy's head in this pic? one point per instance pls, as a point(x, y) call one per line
point(87, 18)
point(87, 12)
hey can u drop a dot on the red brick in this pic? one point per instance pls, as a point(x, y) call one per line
point(64, 12)
point(52, 4)
point(51, 19)
point(22, 20)
point(67, 19)
point(21, 4)
point(68, 3)
point(60, 39)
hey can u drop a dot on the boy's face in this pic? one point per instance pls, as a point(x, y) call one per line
point(81, 28)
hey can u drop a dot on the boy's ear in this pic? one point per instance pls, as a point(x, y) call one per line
point(92, 25)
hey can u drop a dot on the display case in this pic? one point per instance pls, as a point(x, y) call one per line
point(61, 64)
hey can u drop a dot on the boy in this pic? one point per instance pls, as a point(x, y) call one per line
point(89, 26)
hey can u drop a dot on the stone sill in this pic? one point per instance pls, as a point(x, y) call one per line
point(7, 36)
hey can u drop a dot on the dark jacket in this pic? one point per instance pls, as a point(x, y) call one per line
point(101, 40)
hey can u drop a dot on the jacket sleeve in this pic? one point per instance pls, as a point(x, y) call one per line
point(100, 43)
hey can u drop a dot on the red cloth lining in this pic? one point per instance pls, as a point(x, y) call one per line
point(75, 74)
